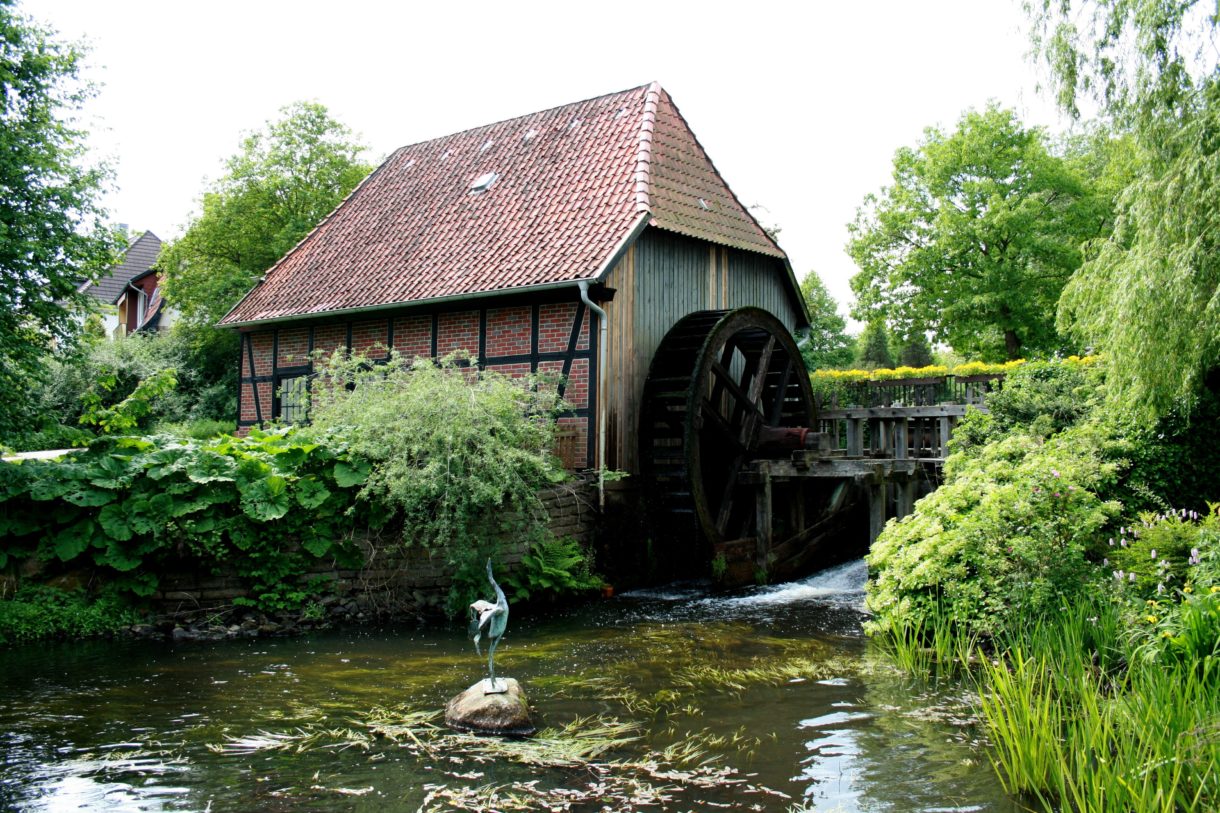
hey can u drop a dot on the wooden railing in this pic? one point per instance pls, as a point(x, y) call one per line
point(904, 418)
point(947, 389)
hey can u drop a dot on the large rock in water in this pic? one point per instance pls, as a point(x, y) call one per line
point(504, 712)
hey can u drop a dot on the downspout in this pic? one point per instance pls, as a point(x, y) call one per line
point(601, 393)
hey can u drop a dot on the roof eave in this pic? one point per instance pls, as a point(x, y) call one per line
point(414, 303)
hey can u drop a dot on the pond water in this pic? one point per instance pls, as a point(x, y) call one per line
point(670, 699)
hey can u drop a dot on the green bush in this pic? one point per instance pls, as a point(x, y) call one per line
point(1008, 536)
point(1045, 397)
point(458, 454)
point(267, 506)
point(1037, 397)
point(101, 374)
point(36, 612)
point(202, 429)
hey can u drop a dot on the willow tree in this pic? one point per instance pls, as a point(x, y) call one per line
point(976, 237)
point(1150, 295)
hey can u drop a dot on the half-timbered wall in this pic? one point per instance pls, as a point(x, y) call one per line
point(513, 337)
point(661, 278)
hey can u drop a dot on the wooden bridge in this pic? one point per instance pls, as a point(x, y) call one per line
point(893, 448)
point(743, 463)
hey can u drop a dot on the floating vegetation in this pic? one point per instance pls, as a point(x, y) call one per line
point(298, 741)
point(762, 672)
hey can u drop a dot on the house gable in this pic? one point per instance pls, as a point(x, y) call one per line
point(140, 256)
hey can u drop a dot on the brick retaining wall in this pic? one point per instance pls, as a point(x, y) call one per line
point(393, 580)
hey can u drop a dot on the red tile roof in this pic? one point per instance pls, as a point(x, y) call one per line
point(571, 185)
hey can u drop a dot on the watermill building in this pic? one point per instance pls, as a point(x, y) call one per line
point(569, 240)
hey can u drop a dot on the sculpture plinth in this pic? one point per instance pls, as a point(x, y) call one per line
point(504, 712)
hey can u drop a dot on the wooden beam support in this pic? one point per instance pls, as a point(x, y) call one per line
point(899, 434)
point(763, 526)
point(827, 467)
point(876, 510)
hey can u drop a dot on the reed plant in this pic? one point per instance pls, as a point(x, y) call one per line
point(1079, 721)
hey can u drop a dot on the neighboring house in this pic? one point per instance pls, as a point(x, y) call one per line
point(482, 240)
point(129, 294)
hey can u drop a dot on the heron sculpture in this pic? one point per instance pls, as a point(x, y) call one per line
point(489, 619)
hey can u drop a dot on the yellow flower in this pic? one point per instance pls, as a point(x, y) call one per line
point(1151, 619)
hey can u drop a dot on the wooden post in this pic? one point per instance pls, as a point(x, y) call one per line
point(906, 496)
point(763, 519)
point(855, 437)
point(900, 435)
point(876, 510)
point(875, 440)
point(943, 440)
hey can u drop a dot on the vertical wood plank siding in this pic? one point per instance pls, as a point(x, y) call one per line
point(662, 278)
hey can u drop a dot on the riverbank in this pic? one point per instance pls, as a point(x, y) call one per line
point(672, 698)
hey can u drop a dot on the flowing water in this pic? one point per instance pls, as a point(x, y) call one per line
point(670, 699)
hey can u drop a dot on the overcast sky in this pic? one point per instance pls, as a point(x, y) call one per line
point(799, 104)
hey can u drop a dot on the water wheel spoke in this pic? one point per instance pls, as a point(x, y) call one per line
point(781, 394)
point(726, 500)
point(740, 396)
point(712, 416)
point(760, 372)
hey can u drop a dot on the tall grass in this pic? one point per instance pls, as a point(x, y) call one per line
point(929, 644)
point(1083, 720)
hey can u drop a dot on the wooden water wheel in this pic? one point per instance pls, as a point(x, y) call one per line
point(725, 388)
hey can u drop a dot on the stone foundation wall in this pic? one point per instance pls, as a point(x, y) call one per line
point(392, 580)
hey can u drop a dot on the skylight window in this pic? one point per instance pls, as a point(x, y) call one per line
point(575, 123)
point(704, 204)
point(531, 135)
point(486, 145)
point(483, 183)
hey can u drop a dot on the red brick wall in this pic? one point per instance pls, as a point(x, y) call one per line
point(329, 338)
point(555, 327)
point(508, 331)
point(293, 347)
point(371, 338)
point(458, 332)
point(413, 336)
point(508, 346)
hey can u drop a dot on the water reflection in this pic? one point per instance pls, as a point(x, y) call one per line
point(768, 699)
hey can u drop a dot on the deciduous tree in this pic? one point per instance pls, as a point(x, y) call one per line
point(1150, 295)
point(284, 180)
point(52, 231)
point(827, 344)
point(976, 237)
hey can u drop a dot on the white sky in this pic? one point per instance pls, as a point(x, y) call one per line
point(799, 104)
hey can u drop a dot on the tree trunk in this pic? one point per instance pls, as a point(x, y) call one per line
point(1012, 344)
